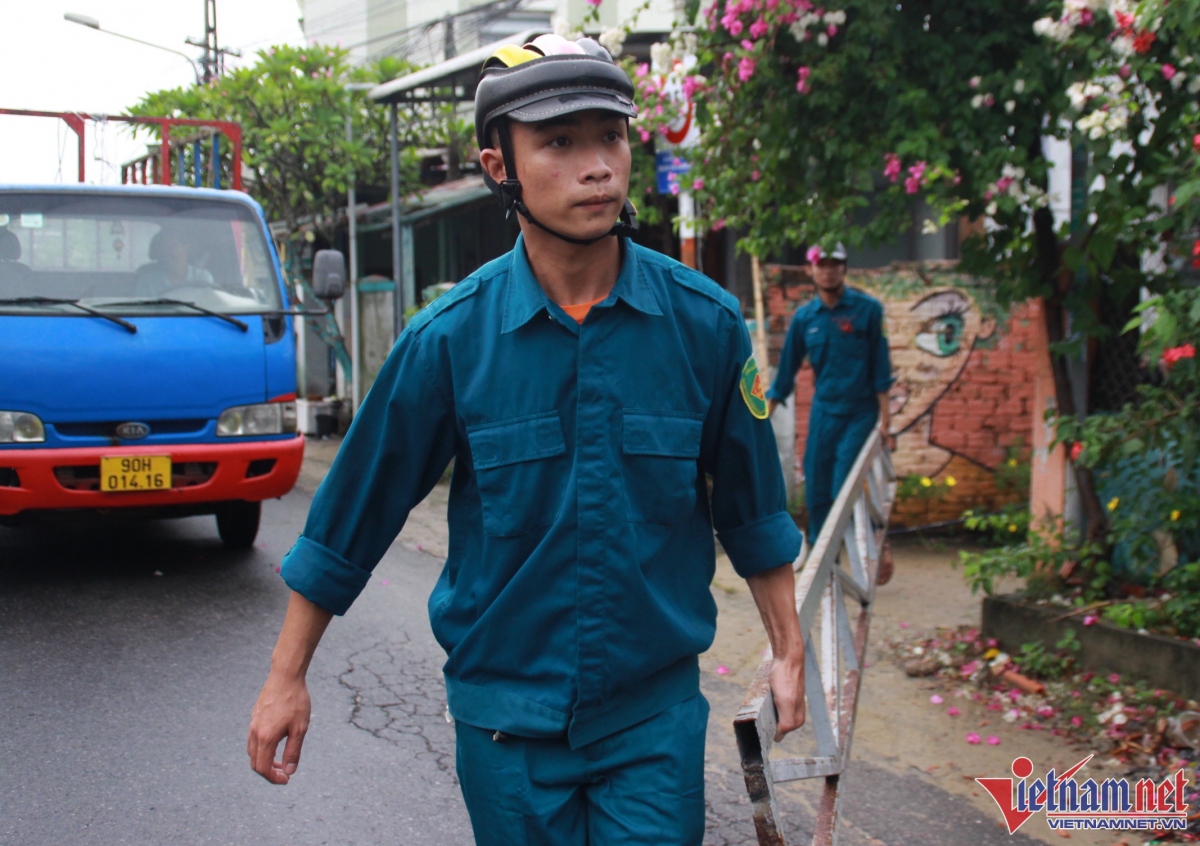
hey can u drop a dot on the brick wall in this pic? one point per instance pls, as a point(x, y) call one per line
point(962, 405)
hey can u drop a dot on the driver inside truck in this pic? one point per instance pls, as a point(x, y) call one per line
point(170, 265)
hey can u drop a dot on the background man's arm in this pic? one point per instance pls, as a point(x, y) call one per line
point(283, 708)
point(790, 359)
point(881, 373)
point(774, 593)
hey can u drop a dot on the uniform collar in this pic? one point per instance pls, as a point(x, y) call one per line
point(525, 297)
point(847, 294)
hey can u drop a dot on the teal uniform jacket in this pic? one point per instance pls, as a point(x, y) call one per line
point(575, 597)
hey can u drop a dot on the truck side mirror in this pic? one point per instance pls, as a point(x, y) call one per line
point(329, 274)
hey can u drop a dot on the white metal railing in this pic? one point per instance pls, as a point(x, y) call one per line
point(843, 563)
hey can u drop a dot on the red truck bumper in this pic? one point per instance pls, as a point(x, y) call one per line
point(58, 479)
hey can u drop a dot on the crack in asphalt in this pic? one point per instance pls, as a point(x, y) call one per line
point(401, 700)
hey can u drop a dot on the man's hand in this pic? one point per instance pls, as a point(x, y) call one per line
point(283, 710)
point(774, 593)
point(787, 689)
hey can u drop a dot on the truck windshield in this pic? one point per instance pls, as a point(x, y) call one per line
point(109, 252)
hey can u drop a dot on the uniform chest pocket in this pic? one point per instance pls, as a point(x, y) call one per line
point(849, 339)
point(521, 470)
point(659, 454)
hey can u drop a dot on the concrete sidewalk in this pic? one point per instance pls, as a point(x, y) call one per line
point(912, 781)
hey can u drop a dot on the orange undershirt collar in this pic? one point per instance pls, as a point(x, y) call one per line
point(580, 310)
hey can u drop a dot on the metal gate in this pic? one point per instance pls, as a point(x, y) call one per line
point(842, 564)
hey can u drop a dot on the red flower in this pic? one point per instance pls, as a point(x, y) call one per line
point(1076, 450)
point(1173, 355)
point(1143, 41)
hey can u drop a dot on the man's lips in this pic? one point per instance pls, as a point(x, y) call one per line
point(597, 201)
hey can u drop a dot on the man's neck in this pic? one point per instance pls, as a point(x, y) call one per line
point(571, 274)
point(831, 298)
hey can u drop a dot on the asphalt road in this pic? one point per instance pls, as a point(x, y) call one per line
point(131, 653)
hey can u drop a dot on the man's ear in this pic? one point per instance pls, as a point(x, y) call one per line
point(492, 161)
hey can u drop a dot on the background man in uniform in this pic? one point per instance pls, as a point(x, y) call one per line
point(842, 332)
point(585, 387)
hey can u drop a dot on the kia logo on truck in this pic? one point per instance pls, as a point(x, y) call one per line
point(132, 431)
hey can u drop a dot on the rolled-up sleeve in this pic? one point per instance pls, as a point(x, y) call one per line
point(790, 359)
point(881, 358)
point(749, 499)
point(401, 441)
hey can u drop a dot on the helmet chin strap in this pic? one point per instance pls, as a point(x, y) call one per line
point(510, 195)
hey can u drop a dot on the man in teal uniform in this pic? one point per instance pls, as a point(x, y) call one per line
point(587, 389)
point(842, 333)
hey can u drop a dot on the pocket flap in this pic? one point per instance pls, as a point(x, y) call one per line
point(671, 433)
point(518, 439)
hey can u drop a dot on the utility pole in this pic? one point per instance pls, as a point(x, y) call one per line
point(213, 63)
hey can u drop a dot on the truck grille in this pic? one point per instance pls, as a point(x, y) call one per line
point(107, 429)
point(86, 477)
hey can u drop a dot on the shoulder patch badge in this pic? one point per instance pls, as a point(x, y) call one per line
point(751, 387)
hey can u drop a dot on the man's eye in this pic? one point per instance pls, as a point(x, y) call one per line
point(560, 141)
point(613, 135)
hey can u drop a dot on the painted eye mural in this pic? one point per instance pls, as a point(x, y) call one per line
point(942, 336)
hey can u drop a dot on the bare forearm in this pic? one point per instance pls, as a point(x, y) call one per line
point(774, 593)
point(303, 626)
point(885, 413)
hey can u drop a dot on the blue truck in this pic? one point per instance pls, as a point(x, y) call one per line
point(147, 358)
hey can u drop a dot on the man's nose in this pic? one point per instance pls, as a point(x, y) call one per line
point(597, 168)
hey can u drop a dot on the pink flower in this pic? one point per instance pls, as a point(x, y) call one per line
point(1174, 355)
point(772, 4)
point(1003, 183)
point(644, 134)
point(384, 582)
point(903, 625)
point(1114, 678)
point(1090, 619)
point(912, 185)
point(993, 740)
point(1077, 721)
point(1045, 711)
point(952, 711)
point(1196, 143)
point(726, 59)
point(1086, 17)
point(916, 178)
point(1168, 72)
point(1125, 71)
point(718, 224)
point(972, 737)
point(936, 700)
point(675, 189)
point(698, 184)
point(831, 30)
point(759, 28)
point(754, 175)
point(722, 670)
point(593, 2)
point(746, 68)
point(968, 668)
point(690, 85)
point(989, 100)
point(643, 69)
point(1014, 694)
point(802, 75)
point(814, 255)
point(735, 27)
point(891, 167)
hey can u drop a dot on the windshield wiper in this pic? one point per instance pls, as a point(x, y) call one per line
point(168, 301)
point(63, 301)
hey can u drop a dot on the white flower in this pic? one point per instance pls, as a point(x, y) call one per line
point(660, 57)
point(1122, 45)
point(561, 26)
point(977, 101)
point(1178, 79)
point(1019, 86)
point(1048, 27)
point(837, 18)
point(613, 39)
point(929, 227)
point(974, 81)
point(991, 209)
point(1010, 105)
point(1011, 715)
point(1193, 85)
point(822, 39)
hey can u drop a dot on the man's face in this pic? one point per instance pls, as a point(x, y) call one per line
point(574, 170)
point(829, 274)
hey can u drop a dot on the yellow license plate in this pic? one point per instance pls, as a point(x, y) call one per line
point(135, 473)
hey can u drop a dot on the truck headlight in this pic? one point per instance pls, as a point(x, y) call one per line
point(21, 427)
point(264, 418)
